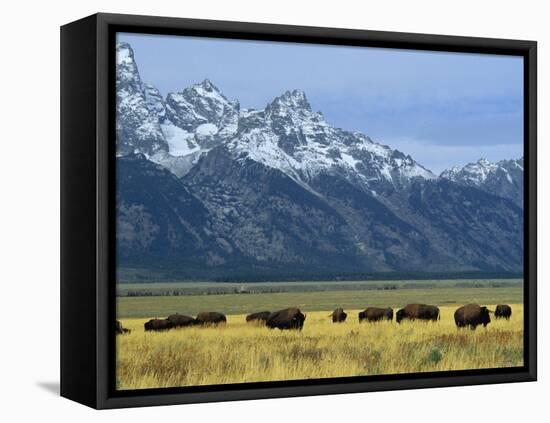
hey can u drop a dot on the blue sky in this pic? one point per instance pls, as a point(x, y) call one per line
point(442, 108)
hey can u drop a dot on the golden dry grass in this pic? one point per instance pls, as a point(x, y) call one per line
point(240, 352)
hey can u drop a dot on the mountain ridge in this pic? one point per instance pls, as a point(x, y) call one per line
point(504, 177)
point(287, 134)
point(229, 190)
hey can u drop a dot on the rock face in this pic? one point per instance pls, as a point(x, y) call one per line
point(206, 189)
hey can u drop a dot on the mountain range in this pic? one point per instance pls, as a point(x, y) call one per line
point(208, 190)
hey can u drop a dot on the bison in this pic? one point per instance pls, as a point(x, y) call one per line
point(417, 311)
point(472, 315)
point(338, 315)
point(289, 318)
point(503, 311)
point(375, 314)
point(260, 317)
point(157, 324)
point(180, 320)
point(210, 318)
point(119, 329)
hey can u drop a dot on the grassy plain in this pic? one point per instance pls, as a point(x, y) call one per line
point(240, 352)
point(309, 296)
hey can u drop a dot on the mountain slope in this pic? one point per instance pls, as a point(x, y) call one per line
point(157, 216)
point(269, 218)
point(229, 217)
point(482, 231)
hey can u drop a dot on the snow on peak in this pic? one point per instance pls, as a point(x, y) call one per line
point(477, 173)
point(293, 100)
point(139, 107)
point(503, 178)
point(207, 89)
point(154, 100)
point(124, 53)
point(207, 85)
point(286, 135)
point(200, 104)
point(126, 69)
point(206, 130)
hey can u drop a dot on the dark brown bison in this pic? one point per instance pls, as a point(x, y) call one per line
point(119, 329)
point(289, 318)
point(157, 324)
point(417, 311)
point(339, 315)
point(260, 317)
point(503, 311)
point(180, 320)
point(472, 315)
point(210, 318)
point(375, 314)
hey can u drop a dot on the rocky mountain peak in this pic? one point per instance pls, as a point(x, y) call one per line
point(208, 86)
point(289, 101)
point(287, 135)
point(139, 107)
point(504, 178)
point(475, 173)
point(154, 100)
point(127, 70)
point(200, 104)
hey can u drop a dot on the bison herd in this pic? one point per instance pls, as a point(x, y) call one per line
point(470, 315)
point(181, 321)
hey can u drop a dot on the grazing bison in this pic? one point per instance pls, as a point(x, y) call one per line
point(472, 315)
point(119, 330)
point(503, 311)
point(417, 311)
point(260, 317)
point(157, 324)
point(339, 315)
point(180, 320)
point(210, 318)
point(375, 314)
point(289, 318)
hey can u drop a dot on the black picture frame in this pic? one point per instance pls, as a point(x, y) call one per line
point(87, 209)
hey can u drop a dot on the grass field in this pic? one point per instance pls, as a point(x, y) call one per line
point(240, 352)
point(327, 299)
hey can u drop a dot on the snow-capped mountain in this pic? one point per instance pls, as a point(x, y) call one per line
point(210, 190)
point(289, 136)
point(137, 124)
point(286, 135)
point(503, 178)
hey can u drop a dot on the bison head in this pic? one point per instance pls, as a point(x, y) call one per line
point(399, 315)
point(484, 316)
point(298, 320)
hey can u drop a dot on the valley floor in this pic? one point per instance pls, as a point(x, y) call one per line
point(158, 299)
